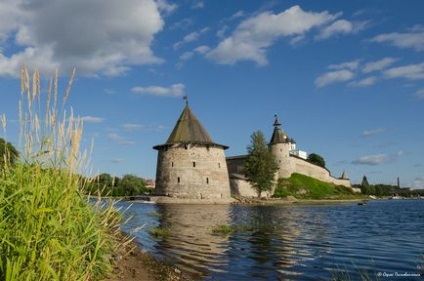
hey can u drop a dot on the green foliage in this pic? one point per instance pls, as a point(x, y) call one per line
point(222, 229)
point(260, 165)
point(160, 232)
point(227, 229)
point(48, 230)
point(132, 185)
point(106, 185)
point(301, 186)
point(8, 153)
point(316, 159)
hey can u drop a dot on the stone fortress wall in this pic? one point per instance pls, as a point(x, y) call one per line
point(192, 171)
point(190, 165)
point(280, 146)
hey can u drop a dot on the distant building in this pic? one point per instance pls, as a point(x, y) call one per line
point(149, 183)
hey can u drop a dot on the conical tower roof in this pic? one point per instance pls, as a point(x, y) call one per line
point(278, 136)
point(344, 176)
point(189, 130)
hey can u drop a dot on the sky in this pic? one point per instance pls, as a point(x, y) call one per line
point(346, 78)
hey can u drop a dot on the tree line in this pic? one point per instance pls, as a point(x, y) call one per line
point(386, 190)
point(106, 185)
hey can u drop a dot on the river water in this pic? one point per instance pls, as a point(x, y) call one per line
point(382, 240)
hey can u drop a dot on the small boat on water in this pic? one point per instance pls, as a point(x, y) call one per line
point(363, 202)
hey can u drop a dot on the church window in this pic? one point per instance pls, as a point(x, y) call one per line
point(194, 164)
point(178, 179)
point(207, 180)
point(172, 164)
point(219, 165)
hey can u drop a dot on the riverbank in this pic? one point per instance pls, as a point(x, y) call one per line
point(239, 200)
point(132, 264)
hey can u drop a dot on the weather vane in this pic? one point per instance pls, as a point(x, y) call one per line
point(186, 99)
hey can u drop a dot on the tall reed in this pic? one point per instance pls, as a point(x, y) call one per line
point(48, 229)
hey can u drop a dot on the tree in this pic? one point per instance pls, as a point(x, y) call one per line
point(104, 184)
point(8, 153)
point(260, 165)
point(132, 185)
point(316, 159)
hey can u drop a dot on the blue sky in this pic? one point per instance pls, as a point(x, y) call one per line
point(346, 78)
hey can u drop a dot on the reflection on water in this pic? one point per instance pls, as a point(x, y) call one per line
point(287, 242)
point(191, 244)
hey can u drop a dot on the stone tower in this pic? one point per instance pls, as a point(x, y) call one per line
point(190, 165)
point(280, 145)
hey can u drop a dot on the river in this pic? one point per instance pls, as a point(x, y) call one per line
point(382, 240)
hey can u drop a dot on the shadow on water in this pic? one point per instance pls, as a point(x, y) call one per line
point(287, 242)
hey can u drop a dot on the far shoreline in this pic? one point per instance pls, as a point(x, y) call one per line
point(247, 201)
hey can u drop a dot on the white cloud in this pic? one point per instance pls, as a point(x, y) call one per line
point(373, 132)
point(254, 35)
point(198, 5)
point(364, 82)
point(202, 49)
point(175, 90)
point(193, 36)
point(420, 93)
point(378, 65)
point(337, 27)
point(373, 160)
point(412, 39)
point(92, 119)
point(333, 77)
point(87, 34)
point(132, 126)
point(119, 139)
point(352, 65)
point(412, 72)
point(186, 56)
point(377, 159)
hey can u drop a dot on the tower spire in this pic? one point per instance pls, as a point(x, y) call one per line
point(276, 122)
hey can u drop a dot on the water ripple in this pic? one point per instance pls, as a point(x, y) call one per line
point(290, 242)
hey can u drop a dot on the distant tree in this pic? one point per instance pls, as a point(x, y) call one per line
point(132, 185)
point(104, 184)
point(260, 165)
point(316, 159)
point(8, 153)
point(365, 182)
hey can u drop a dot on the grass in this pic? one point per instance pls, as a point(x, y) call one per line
point(48, 229)
point(301, 186)
point(160, 231)
point(226, 229)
